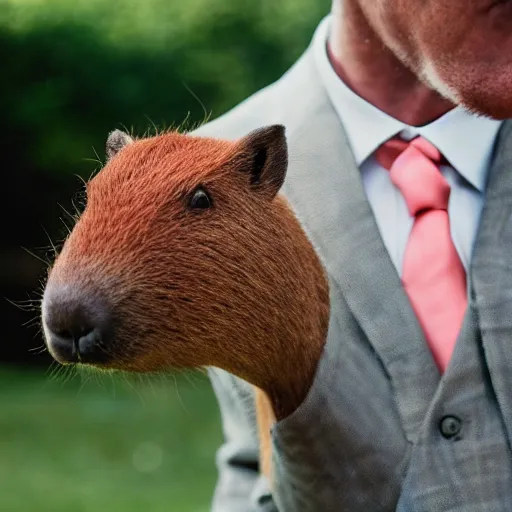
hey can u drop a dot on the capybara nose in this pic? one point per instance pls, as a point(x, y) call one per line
point(77, 325)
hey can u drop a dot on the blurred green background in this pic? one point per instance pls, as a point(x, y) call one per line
point(70, 72)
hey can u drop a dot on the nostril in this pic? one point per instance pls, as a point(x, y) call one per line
point(63, 334)
point(73, 335)
point(90, 344)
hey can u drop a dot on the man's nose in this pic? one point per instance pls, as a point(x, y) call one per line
point(77, 324)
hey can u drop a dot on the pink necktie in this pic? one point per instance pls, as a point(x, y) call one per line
point(432, 273)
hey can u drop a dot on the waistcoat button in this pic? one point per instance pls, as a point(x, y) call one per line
point(450, 426)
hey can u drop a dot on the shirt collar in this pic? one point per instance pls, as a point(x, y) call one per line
point(466, 140)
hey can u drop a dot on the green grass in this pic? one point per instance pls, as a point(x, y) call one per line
point(83, 446)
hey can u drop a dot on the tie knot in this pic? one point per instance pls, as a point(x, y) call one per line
point(414, 170)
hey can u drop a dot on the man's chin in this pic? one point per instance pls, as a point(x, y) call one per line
point(486, 91)
point(498, 110)
point(486, 97)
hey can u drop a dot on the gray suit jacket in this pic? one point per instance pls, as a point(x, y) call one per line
point(380, 430)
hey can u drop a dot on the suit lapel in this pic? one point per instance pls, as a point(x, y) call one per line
point(491, 275)
point(325, 189)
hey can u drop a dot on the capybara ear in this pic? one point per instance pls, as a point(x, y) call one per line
point(267, 162)
point(116, 141)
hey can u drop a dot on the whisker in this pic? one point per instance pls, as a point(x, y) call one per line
point(31, 322)
point(124, 375)
point(70, 215)
point(83, 383)
point(152, 123)
point(38, 333)
point(77, 210)
point(38, 350)
point(97, 156)
point(52, 245)
point(194, 95)
point(29, 305)
point(68, 229)
point(82, 179)
point(176, 387)
point(36, 256)
point(95, 160)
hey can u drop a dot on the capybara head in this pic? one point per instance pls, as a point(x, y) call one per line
point(185, 256)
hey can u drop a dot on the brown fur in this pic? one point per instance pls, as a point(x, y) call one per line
point(237, 286)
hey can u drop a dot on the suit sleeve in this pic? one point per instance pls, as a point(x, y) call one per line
point(240, 488)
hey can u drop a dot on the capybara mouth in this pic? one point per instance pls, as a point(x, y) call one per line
point(85, 349)
point(78, 325)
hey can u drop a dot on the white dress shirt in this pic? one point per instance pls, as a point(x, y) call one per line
point(466, 141)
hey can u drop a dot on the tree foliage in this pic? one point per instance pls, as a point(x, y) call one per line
point(74, 69)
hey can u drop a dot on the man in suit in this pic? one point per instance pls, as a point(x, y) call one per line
point(405, 189)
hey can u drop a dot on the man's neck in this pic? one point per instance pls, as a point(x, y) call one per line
point(373, 72)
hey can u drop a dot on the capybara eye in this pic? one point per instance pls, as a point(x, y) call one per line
point(200, 200)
